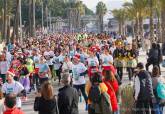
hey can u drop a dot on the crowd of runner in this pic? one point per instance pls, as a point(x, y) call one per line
point(87, 65)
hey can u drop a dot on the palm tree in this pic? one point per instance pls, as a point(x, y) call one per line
point(140, 12)
point(152, 7)
point(131, 15)
point(80, 7)
point(101, 10)
point(162, 4)
point(158, 16)
point(4, 35)
point(32, 18)
point(81, 11)
point(119, 14)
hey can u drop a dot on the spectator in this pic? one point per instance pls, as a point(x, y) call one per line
point(153, 56)
point(10, 105)
point(156, 78)
point(143, 90)
point(163, 48)
point(112, 85)
point(98, 99)
point(160, 55)
point(45, 102)
point(67, 97)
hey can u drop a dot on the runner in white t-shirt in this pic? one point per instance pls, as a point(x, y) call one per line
point(92, 62)
point(48, 54)
point(57, 63)
point(12, 86)
point(106, 58)
point(79, 71)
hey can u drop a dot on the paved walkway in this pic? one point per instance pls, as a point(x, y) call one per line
point(28, 106)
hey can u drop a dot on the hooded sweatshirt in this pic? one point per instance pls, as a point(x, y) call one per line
point(13, 111)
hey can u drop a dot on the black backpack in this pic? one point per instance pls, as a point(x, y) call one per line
point(95, 94)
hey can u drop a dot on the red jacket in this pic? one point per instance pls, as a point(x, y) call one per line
point(112, 93)
point(13, 111)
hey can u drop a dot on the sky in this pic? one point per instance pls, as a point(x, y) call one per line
point(111, 4)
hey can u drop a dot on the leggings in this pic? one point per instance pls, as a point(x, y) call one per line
point(51, 69)
point(130, 72)
point(120, 72)
point(58, 74)
point(82, 89)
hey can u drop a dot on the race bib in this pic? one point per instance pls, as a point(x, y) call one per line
point(75, 74)
point(10, 90)
point(105, 61)
point(92, 63)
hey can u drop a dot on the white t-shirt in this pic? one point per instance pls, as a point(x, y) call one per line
point(3, 67)
point(43, 68)
point(106, 59)
point(92, 61)
point(112, 49)
point(36, 58)
point(14, 87)
point(8, 57)
point(67, 66)
point(56, 62)
point(50, 61)
point(51, 53)
point(46, 53)
point(77, 70)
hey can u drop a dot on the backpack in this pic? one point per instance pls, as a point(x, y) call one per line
point(160, 89)
point(95, 94)
point(160, 93)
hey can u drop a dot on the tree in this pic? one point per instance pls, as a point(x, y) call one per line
point(140, 12)
point(32, 26)
point(4, 35)
point(152, 8)
point(119, 14)
point(162, 5)
point(81, 11)
point(157, 9)
point(131, 15)
point(101, 10)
